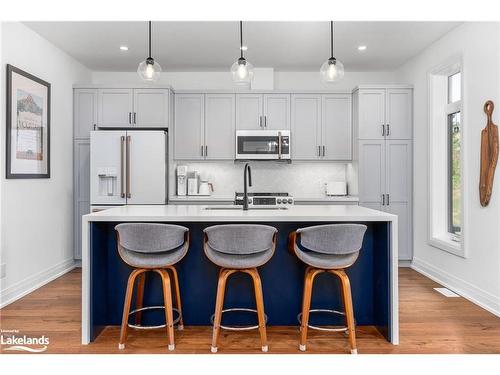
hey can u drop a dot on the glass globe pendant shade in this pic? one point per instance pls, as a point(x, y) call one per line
point(149, 70)
point(242, 72)
point(332, 70)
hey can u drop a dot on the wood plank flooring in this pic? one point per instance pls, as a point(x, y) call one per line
point(429, 323)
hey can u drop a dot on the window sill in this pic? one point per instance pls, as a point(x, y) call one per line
point(445, 242)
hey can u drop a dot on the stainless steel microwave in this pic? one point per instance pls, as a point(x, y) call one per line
point(263, 145)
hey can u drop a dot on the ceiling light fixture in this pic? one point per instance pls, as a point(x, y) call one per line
point(361, 48)
point(242, 70)
point(123, 48)
point(149, 70)
point(332, 69)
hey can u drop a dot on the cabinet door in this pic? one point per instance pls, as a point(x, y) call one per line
point(399, 191)
point(336, 127)
point(277, 111)
point(151, 108)
point(399, 113)
point(84, 112)
point(371, 114)
point(115, 107)
point(371, 171)
point(249, 110)
point(189, 124)
point(147, 170)
point(306, 126)
point(219, 126)
point(81, 196)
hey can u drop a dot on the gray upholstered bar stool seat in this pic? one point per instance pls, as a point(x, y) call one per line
point(157, 248)
point(327, 248)
point(239, 248)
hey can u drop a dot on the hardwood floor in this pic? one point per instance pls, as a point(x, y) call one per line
point(429, 323)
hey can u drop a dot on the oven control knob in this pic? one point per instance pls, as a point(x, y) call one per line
point(278, 200)
point(249, 201)
point(290, 200)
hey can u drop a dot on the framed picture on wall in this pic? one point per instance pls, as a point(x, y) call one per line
point(28, 125)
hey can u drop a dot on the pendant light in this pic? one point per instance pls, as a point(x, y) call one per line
point(332, 69)
point(149, 70)
point(242, 70)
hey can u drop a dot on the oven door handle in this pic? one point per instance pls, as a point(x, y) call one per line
point(279, 145)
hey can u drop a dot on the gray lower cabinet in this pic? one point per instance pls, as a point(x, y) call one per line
point(385, 183)
point(81, 190)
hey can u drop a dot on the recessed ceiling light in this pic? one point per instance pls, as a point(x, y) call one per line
point(123, 48)
point(244, 48)
point(361, 48)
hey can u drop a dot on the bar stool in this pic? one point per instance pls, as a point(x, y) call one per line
point(239, 248)
point(152, 247)
point(327, 248)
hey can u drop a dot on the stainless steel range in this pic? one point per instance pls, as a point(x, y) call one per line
point(265, 199)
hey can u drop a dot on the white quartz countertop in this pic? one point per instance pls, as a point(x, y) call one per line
point(228, 198)
point(200, 213)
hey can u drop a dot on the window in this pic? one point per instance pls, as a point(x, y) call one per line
point(446, 172)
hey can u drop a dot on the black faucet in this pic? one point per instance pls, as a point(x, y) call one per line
point(246, 172)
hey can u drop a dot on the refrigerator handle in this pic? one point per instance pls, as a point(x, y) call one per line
point(122, 164)
point(129, 194)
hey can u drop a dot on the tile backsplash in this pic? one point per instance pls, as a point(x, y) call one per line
point(301, 179)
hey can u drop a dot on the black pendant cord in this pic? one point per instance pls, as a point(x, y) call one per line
point(241, 40)
point(331, 39)
point(150, 40)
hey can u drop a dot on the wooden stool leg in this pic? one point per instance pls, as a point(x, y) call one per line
point(177, 296)
point(219, 305)
point(140, 296)
point(259, 301)
point(126, 306)
point(349, 311)
point(169, 315)
point(306, 304)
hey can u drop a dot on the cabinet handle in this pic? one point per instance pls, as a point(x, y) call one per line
point(206, 150)
point(130, 117)
point(388, 202)
point(383, 199)
point(265, 121)
point(324, 150)
point(319, 150)
point(122, 163)
point(201, 150)
point(260, 121)
point(129, 193)
point(388, 132)
point(383, 130)
point(134, 118)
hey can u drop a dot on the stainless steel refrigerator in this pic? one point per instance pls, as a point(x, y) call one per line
point(128, 167)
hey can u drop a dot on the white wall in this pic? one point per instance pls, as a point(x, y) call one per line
point(36, 215)
point(477, 276)
point(222, 80)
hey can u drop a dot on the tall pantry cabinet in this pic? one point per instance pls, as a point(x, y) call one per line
point(382, 122)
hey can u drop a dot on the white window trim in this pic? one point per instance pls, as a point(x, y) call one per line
point(442, 239)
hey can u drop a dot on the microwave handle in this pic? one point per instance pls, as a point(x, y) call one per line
point(279, 145)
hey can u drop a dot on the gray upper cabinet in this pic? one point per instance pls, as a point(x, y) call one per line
point(306, 126)
point(115, 108)
point(262, 111)
point(84, 112)
point(189, 126)
point(337, 127)
point(371, 114)
point(219, 126)
point(276, 111)
point(321, 127)
point(399, 113)
point(151, 109)
point(127, 108)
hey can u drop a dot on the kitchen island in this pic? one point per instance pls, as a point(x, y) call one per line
point(374, 278)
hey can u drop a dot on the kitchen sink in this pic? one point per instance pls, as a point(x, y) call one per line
point(241, 208)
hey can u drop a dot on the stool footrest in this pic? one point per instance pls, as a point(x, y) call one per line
point(339, 329)
point(152, 308)
point(237, 328)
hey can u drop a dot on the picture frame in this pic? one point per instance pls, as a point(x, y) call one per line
point(27, 125)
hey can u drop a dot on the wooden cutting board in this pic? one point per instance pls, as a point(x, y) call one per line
point(489, 156)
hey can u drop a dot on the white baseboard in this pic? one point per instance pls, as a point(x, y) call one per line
point(463, 288)
point(31, 283)
point(404, 263)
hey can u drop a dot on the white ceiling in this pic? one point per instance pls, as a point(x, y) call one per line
point(214, 46)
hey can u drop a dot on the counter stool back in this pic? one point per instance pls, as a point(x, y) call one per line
point(327, 248)
point(155, 248)
point(239, 248)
